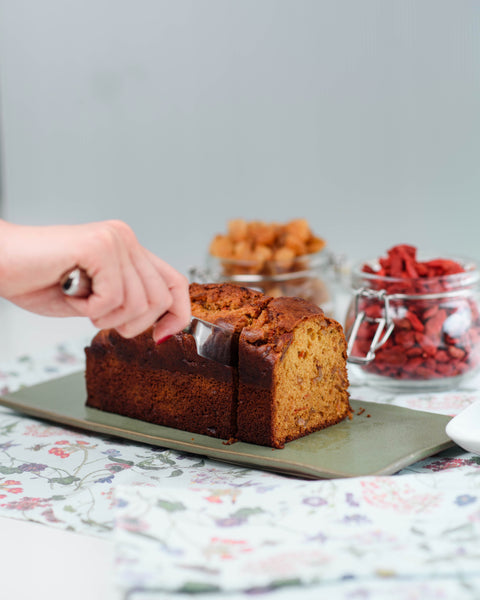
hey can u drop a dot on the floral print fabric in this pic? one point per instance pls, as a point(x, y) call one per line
point(262, 537)
point(183, 523)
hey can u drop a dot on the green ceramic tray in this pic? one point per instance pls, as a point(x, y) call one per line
point(380, 441)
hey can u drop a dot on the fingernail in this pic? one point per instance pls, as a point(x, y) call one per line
point(164, 339)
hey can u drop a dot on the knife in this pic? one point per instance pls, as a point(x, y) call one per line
point(212, 341)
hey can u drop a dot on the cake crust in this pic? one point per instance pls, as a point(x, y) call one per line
point(298, 390)
point(168, 384)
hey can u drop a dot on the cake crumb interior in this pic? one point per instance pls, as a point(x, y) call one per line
point(307, 379)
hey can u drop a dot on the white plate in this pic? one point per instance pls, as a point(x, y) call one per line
point(464, 429)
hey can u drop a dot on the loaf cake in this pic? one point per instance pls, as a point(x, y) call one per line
point(289, 376)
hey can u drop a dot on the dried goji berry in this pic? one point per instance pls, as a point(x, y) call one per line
point(425, 344)
point(430, 311)
point(403, 324)
point(425, 372)
point(373, 311)
point(446, 369)
point(415, 321)
point(412, 364)
point(415, 351)
point(401, 262)
point(442, 356)
point(433, 326)
point(456, 352)
point(405, 339)
point(392, 356)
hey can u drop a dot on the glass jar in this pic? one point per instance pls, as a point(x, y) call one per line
point(311, 276)
point(415, 334)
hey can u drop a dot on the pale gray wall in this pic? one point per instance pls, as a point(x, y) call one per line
point(361, 115)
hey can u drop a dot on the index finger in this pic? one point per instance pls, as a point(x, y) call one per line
point(179, 314)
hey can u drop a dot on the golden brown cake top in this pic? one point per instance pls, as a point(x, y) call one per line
point(279, 318)
point(226, 304)
point(260, 320)
point(262, 317)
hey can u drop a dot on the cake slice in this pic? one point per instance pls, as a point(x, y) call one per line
point(292, 373)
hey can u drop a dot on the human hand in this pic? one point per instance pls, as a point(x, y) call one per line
point(132, 288)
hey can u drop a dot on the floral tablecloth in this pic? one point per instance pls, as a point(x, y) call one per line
point(183, 524)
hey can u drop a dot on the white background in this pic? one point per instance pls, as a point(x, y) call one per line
point(361, 115)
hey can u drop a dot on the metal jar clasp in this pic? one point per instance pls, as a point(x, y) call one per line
point(385, 325)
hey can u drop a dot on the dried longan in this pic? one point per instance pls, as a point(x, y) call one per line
point(262, 253)
point(237, 230)
point(299, 228)
point(284, 255)
point(261, 242)
point(263, 234)
point(296, 244)
point(269, 250)
point(315, 244)
point(221, 246)
point(242, 250)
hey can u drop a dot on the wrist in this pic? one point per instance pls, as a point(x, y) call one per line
point(3, 254)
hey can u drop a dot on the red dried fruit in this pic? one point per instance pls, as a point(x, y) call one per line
point(412, 364)
point(403, 324)
point(373, 311)
point(424, 373)
point(456, 352)
point(406, 339)
point(433, 337)
point(415, 321)
point(446, 369)
point(425, 344)
point(442, 356)
point(415, 351)
point(401, 262)
point(433, 326)
point(393, 356)
point(430, 311)
point(443, 266)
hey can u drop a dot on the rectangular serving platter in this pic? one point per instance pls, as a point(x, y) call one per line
point(378, 440)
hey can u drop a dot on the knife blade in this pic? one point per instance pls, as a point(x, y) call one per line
point(214, 342)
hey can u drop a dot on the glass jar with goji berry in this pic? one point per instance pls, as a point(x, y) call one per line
point(415, 326)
